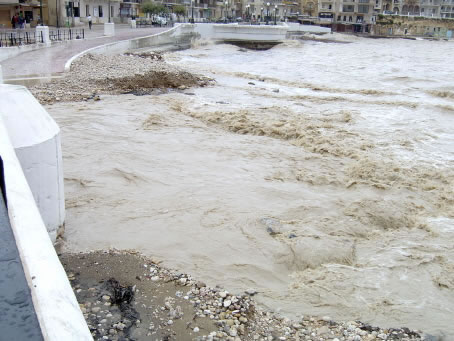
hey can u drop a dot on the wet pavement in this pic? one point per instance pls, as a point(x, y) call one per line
point(50, 61)
point(18, 319)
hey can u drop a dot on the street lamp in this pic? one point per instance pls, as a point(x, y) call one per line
point(225, 11)
point(261, 14)
point(109, 11)
point(275, 12)
point(267, 12)
point(192, 11)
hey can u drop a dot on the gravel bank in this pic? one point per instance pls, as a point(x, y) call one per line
point(94, 75)
point(125, 296)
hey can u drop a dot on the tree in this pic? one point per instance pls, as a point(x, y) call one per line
point(153, 8)
point(179, 10)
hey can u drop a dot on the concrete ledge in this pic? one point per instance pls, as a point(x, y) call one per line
point(9, 52)
point(179, 33)
point(56, 306)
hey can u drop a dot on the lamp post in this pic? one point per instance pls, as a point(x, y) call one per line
point(261, 14)
point(267, 12)
point(41, 11)
point(192, 11)
point(225, 11)
point(275, 13)
point(109, 11)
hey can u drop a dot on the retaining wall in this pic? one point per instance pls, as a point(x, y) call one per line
point(56, 306)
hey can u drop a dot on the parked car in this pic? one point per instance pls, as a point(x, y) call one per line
point(159, 21)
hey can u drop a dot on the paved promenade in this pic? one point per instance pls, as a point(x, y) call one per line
point(47, 61)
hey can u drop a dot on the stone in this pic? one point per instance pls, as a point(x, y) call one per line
point(323, 330)
point(95, 309)
point(155, 278)
point(196, 329)
point(251, 292)
point(227, 303)
point(276, 90)
point(233, 332)
point(106, 298)
point(223, 294)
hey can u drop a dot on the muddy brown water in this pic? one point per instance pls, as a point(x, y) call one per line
point(319, 174)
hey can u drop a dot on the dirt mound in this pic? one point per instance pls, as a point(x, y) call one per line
point(94, 75)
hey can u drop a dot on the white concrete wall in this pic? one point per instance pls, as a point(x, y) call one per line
point(296, 27)
point(9, 52)
point(249, 32)
point(36, 139)
point(56, 306)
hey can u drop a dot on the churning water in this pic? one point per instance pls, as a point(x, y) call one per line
point(320, 174)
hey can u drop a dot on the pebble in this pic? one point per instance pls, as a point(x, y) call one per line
point(196, 329)
point(106, 298)
point(227, 303)
point(223, 294)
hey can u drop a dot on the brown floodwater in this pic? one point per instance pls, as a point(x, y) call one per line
point(319, 174)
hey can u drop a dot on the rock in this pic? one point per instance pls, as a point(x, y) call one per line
point(292, 235)
point(200, 285)
point(276, 90)
point(251, 83)
point(183, 281)
point(95, 309)
point(223, 294)
point(97, 98)
point(323, 330)
point(251, 292)
point(233, 332)
point(196, 329)
point(121, 326)
point(243, 319)
point(155, 278)
point(227, 303)
point(230, 322)
point(106, 298)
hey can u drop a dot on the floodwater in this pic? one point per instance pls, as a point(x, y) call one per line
point(320, 174)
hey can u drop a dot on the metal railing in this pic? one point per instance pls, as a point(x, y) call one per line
point(27, 37)
point(16, 38)
point(66, 34)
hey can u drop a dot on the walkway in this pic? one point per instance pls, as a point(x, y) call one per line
point(18, 319)
point(48, 61)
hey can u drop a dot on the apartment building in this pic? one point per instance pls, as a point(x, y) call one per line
point(358, 14)
point(364, 12)
point(31, 10)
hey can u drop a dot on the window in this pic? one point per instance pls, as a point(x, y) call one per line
point(348, 8)
point(363, 8)
point(87, 10)
point(100, 11)
point(76, 9)
point(363, 1)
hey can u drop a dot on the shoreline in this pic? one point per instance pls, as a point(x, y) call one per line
point(125, 295)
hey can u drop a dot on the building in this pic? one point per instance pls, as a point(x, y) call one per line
point(32, 10)
point(74, 13)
